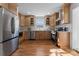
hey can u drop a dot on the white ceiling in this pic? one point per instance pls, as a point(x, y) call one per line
point(38, 9)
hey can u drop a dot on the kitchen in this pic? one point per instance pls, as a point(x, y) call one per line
point(38, 24)
point(45, 31)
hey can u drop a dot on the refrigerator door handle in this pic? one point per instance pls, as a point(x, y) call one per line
point(12, 25)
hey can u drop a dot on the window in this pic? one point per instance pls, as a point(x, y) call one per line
point(39, 21)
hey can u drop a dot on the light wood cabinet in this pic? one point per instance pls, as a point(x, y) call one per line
point(12, 7)
point(25, 21)
point(25, 35)
point(53, 20)
point(64, 40)
point(22, 21)
point(65, 13)
point(42, 35)
point(5, 5)
point(39, 35)
point(47, 21)
point(30, 20)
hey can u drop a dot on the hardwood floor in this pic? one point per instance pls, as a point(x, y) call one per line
point(39, 48)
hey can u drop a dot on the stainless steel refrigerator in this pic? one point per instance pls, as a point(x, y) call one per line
point(9, 32)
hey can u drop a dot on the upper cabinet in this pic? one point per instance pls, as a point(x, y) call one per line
point(22, 20)
point(57, 16)
point(5, 5)
point(53, 20)
point(29, 21)
point(47, 21)
point(10, 6)
point(65, 13)
point(32, 21)
point(26, 21)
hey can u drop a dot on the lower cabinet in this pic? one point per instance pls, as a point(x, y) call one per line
point(25, 35)
point(64, 40)
point(42, 35)
point(36, 35)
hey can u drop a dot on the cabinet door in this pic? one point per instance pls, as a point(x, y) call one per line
point(22, 20)
point(48, 21)
point(12, 7)
point(27, 20)
point(65, 13)
point(54, 20)
point(42, 35)
point(32, 21)
point(5, 5)
point(51, 21)
point(64, 39)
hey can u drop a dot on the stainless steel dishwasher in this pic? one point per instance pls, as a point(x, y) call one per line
point(31, 34)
